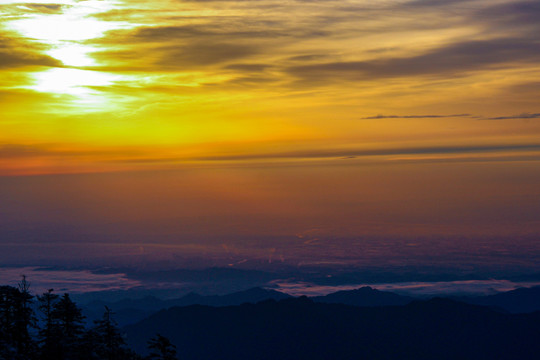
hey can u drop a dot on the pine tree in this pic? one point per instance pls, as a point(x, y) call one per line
point(161, 348)
point(62, 335)
point(8, 296)
point(25, 320)
point(16, 319)
point(68, 325)
point(110, 341)
point(49, 335)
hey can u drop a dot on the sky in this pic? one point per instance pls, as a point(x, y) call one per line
point(329, 133)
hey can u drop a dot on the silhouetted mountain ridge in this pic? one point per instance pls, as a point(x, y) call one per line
point(522, 300)
point(128, 311)
point(364, 296)
point(299, 328)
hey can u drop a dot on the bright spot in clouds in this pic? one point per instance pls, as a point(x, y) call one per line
point(73, 24)
point(71, 81)
point(73, 54)
point(65, 35)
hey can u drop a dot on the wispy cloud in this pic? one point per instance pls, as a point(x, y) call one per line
point(20, 150)
point(16, 53)
point(46, 8)
point(20, 9)
point(351, 153)
point(518, 116)
point(413, 116)
point(433, 3)
point(271, 35)
point(14, 151)
point(524, 115)
point(454, 59)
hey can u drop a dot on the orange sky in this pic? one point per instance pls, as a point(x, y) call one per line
point(355, 117)
point(112, 85)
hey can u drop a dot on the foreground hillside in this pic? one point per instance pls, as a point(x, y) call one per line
point(302, 329)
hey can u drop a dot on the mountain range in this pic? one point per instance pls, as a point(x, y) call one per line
point(300, 328)
point(129, 311)
point(522, 300)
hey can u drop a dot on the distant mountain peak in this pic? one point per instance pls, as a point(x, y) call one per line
point(364, 296)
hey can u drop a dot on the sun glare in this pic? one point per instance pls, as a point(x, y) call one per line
point(74, 82)
point(72, 54)
point(53, 28)
point(65, 35)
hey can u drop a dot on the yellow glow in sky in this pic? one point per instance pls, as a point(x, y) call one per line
point(269, 81)
point(71, 81)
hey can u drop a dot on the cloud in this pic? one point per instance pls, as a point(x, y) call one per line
point(519, 116)
point(255, 40)
point(351, 153)
point(248, 67)
point(433, 3)
point(252, 80)
point(20, 10)
point(513, 14)
point(15, 53)
point(451, 60)
point(201, 54)
point(310, 57)
point(16, 151)
point(140, 156)
point(46, 8)
point(233, 28)
point(250, 41)
point(224, 29)
point(173, 48)
point(413, 116)
point(174, 57)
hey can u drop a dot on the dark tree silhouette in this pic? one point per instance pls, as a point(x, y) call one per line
point(68, 316)
point(24, 321)
point(161, 348)
point(61, 336)
point(48, 334)
point(8, 347)
point(110, 341)
point(68, 326)
point(16, 319)
point(104, 341)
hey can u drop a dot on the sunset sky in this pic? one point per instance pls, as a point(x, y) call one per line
point(194, 124)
